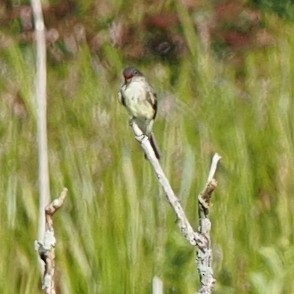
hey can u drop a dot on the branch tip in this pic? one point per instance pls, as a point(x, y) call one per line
point(52, 207)
point(215, 159)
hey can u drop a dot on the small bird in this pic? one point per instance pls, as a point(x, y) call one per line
point(140, 100)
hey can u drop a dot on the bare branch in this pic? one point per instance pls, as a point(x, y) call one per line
point(46, 249)
point(204, 254)
point(204, 197)
point(185, 227)
point(201, 239)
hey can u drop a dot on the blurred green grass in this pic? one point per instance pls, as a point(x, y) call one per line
point(116, 231)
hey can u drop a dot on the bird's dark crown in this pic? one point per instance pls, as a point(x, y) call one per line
point(130, 72)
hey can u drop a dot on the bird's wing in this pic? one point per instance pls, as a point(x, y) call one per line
point(121, 97)
point(151, 98)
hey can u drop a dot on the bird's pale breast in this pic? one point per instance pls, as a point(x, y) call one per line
point(135, 99)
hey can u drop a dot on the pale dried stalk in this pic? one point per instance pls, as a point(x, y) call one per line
point(157, 285)
point(41, 97)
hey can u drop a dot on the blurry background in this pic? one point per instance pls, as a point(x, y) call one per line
point(223, 72)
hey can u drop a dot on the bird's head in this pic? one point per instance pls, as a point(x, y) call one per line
point(130, 72)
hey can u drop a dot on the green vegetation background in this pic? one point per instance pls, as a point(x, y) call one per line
point(116, 231)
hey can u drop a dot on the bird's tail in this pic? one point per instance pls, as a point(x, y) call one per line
point(154, 146)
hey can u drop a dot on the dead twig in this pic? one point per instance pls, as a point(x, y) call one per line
point(204, 254)
point(46, 249)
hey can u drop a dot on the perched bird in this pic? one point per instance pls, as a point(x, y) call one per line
point(140, 100)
